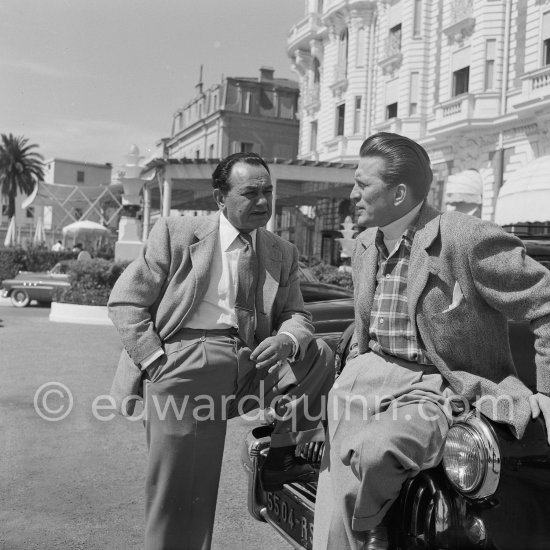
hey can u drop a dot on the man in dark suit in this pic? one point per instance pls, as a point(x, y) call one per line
point(433, 293)
point(211, 314)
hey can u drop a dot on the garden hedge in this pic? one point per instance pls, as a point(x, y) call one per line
point(91, 282)
point(17, 259)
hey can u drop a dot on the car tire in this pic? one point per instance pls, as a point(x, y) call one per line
point(20, 298)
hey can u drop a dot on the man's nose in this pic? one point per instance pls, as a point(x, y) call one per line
point(355, 195)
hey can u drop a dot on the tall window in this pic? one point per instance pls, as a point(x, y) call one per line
point(340, 119)
point(391, 110)
point(417, 18)
point(80, 176)
point(490, 54)
point(394, 45)
point(247, 147)
point(357, 116)
point(360, 48)
point(343, 54)
point(316, 72)
point(313, 136)
point(413, 94)
point(546, 38)
point(461, 80)
point(211, 151)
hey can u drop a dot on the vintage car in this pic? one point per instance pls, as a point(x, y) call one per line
point(490, 492)
point(40, 286)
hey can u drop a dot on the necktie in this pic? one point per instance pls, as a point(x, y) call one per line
point(380, 244)
point(247, 281)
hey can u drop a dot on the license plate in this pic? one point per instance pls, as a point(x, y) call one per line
point(295, 519)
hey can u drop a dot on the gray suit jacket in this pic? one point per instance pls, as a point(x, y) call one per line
point(468, 343)
point(158, 292)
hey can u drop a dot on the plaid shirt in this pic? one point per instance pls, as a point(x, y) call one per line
point(391, 330)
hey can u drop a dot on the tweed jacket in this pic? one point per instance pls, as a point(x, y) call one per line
point(467, 340)
point(158, 292)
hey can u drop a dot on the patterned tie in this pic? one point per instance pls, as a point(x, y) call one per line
point(247, 281)
point(380, 244)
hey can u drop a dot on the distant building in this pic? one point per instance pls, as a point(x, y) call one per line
point(67, 207)
point(73, 172)
point(469, 80)
point(238, 114)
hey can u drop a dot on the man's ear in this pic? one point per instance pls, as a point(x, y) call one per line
point(400, 194)
point(219, 198)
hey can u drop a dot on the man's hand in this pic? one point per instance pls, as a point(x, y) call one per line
point(272, 351)
point(541, 403)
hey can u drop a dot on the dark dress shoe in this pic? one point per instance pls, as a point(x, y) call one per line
point(273, 480)
point(375, 539)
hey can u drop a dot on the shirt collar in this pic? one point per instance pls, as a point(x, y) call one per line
point(228, 233)
point(394, 230)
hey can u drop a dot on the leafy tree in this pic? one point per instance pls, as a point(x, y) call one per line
point(20, 167)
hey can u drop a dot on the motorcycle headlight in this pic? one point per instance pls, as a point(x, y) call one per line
point(471, 458)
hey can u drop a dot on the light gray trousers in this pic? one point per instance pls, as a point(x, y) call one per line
point(204, 380)
point(387, 420)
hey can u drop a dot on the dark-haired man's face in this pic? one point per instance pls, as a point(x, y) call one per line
point(247, 205)
point(374, 199)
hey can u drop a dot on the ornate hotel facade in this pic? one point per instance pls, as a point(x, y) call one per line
point(468, 79)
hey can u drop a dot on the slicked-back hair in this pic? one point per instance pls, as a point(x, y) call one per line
point(406, 161)
point(221, 174)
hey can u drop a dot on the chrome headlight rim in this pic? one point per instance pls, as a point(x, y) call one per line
point(486, 441)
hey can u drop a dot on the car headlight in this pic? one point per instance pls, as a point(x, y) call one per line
point(471, 458)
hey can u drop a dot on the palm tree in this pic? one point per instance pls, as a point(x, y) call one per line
point(20, 168)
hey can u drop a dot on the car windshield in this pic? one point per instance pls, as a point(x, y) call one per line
point(59, 268)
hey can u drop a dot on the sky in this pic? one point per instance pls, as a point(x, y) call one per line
point(86, 79)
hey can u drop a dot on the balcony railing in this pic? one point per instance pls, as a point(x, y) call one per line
point(535, 86)
point(301, 33)
point(455, 110)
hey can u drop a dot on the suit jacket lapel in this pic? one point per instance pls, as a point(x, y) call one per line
point(201, 253)
point(421, 263)
point(367, 266)
point(269, 257)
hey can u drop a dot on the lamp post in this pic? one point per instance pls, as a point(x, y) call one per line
point(129, 243)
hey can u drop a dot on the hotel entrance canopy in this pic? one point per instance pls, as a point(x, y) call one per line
point(187, 184)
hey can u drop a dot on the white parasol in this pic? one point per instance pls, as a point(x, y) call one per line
point(11, 236)
point(39, 232)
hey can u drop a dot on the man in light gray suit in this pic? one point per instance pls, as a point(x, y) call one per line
point(433, 293)
point(212, 316)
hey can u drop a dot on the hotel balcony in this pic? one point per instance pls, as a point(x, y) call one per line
point(391, 57)
point(464, 110)
point(311, 99)
point(391, 125)
point(307, 29)
point(462, 20)
point(535, 88)
point(339, 79)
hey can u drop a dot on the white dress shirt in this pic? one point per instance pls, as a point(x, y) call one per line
point(394, 230)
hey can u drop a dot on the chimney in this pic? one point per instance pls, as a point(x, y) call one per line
point(199, 84)
point(266, 73)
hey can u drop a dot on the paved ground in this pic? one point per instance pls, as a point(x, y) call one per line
point(76, 484)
